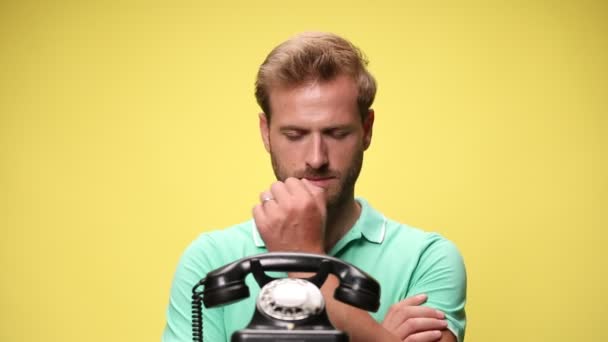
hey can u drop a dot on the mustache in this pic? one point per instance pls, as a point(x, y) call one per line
point(317, 173)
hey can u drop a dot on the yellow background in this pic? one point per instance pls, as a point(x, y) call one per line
point(127, 128)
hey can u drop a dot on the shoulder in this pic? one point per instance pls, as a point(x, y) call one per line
point(418, 250)
point(218, 247)
point(404, 240)
point(207, 252)
point(239, 233)
point(408, 247)
point(420, 241)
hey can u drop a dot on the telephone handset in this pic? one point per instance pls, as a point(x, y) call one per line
point(287, 308)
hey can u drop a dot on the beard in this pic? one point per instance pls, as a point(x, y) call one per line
point(337, 195)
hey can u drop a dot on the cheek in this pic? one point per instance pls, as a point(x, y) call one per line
point(285, 155)
point(285, 150)
point(342, 152)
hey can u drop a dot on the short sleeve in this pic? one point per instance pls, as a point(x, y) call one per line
point(192, 267)
point(441, 275)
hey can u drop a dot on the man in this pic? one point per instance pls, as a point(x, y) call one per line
point(316, 94)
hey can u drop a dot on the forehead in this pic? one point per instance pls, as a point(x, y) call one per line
point(323, 102)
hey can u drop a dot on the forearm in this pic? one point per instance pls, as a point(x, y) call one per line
point(357, 323)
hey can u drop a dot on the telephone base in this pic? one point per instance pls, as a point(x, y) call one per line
point(259, 335)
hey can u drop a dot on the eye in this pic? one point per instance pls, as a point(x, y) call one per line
point(339, 133)
point(293, 135)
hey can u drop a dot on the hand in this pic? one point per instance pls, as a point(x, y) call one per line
point(291, 217)
point(411, 322)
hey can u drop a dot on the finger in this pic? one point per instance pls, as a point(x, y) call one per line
point(416, 325)
point(313, 189)
point(317, 193)
point(425, 336)
point(401, 312)
point(265, 195)
point(270, 208)
point(425, 311)
point(266, 209)
point(279, 192)
point(414, 300)
point(259, 216)
point(296, 187)
point(405, 312)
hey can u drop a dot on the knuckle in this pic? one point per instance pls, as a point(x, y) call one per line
point(257, 212)
point(414, 324)
point(396, 312)
point(289, 206)
point(276, 215)
point(408, 325)
point(403, 310)
point(291, 181)
point(307, 205)
point(277, 185)
point(299, 206)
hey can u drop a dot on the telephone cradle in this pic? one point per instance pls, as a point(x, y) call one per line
point(287, 309)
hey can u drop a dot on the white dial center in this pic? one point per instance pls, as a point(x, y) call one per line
point(290, 295)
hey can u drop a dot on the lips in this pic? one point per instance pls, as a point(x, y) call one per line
point(322, 182)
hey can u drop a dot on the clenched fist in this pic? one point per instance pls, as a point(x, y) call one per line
point(291, 217)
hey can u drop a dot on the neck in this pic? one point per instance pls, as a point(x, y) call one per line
point(340, 218)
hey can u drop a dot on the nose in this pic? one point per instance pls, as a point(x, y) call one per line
point(317, 153)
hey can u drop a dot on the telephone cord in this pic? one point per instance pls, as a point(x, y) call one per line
point(197, 313)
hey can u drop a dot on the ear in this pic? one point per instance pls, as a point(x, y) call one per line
point(264, 131)
point(368, 126)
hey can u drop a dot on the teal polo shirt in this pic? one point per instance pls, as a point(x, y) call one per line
point(406, 261)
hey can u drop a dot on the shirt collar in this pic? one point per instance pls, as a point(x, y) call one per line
point(257, 239)
point(370, 224)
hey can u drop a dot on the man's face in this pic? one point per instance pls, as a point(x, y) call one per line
point(315, 132)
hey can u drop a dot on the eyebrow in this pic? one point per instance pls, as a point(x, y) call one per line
point(325, 129)
point(291, 128)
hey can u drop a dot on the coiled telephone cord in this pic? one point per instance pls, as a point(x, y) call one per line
point(197, 313)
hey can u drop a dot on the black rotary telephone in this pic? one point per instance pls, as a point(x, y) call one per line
point(287, 309)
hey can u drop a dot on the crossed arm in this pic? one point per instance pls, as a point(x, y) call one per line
point(405, 321)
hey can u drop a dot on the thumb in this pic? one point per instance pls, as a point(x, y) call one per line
point(317, 192)
point(312, 188)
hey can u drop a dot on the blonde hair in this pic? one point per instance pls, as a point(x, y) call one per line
point(310, 57)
